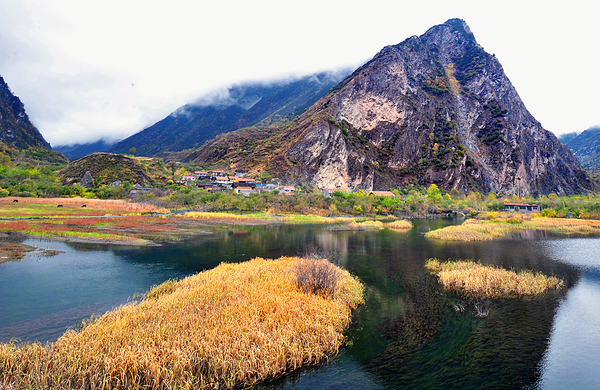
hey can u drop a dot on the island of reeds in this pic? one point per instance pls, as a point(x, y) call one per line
point(481, 281)
point(497, 226)
point(232, 326)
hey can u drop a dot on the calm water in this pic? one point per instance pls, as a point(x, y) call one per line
point(409, 335)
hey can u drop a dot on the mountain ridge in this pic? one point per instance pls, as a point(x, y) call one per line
point(240, 105)
point(17, 132)
point(433, 109)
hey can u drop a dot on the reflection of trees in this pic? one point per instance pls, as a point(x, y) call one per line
point(438, 345)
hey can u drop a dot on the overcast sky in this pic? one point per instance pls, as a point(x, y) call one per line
point(91, 69)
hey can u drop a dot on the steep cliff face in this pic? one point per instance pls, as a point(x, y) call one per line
point(15, 128)
point(432, 109)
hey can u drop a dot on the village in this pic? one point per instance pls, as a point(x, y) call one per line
point(219, 180)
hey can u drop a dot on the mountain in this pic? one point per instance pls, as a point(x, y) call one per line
point(19, 138)
point(435, 108)
point(238, 106)
point(586, 147)
point(77, 151)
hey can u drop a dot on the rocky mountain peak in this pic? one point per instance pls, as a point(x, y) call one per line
point(433, 109)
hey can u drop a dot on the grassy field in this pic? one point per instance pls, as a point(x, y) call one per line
point(483, 230)
point(45, 207)
point(482, 281)
point(232, 326)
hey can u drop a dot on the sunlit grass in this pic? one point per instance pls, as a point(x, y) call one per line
point(398, 225)
point(235, 325)
point(475, 230)
point(490, 282)
point(263, 217)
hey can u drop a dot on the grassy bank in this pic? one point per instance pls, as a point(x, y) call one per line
point(235, 325)
point(483, 230)
point(490, 282)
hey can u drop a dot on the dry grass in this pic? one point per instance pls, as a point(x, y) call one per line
point(235, 325)
point(261, 217)
point(474, 230)
point(565, 225)
point(72, 206)
point(399, 225)
point(490, 282)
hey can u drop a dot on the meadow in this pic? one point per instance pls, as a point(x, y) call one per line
point(233, 326)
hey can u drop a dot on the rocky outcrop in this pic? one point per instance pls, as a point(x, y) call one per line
point(432, 109)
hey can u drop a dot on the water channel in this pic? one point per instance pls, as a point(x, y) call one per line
point(409, 335)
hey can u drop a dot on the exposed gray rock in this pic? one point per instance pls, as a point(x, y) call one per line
point(432, 109)
point(87, 181)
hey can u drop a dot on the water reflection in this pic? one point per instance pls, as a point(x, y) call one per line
point(571, 361)
point(410, 334)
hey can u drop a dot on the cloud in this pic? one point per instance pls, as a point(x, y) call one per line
point(84, 69)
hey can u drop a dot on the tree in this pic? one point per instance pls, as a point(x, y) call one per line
point(434, 195)
point(132, 150)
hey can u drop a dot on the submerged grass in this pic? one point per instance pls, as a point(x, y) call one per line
point(490, 282)
point(235, 325)
point(475, 230)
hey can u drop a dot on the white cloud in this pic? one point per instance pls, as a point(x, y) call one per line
point(85, 69)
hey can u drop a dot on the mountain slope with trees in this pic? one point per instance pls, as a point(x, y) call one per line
point(239, 106)
point(21, 139)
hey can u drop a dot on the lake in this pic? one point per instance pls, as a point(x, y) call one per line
point(411, 334)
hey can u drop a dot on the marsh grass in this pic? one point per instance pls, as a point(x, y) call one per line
point(482, 281)
point(400, 225)
point(475, 230)
point(235, 325)
point(263, 218)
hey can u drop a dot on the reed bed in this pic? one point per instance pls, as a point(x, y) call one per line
point(232, 326)
point(375, 225)
point(482, 281)
point(263, 218)
point(473, 230)
point(399, 225)
point(565, 225)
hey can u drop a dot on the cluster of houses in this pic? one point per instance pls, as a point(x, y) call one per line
point(218, 180)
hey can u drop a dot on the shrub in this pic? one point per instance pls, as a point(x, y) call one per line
point(318, 276)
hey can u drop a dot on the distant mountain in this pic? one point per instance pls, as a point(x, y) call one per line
point(238, 106)
point(586, 147)
point(433, 109)
point(77, 151)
